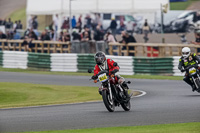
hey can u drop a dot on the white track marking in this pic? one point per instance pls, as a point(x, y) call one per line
point(143, 93)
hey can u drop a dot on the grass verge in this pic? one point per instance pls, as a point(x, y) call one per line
point(25, 94)
point(181, 5)
point(164, 128)
point(88, 74)
point(20, 14)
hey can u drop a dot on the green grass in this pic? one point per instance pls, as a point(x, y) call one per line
point(20, 14)
point(164, 128)
point(25, 94)
point(181, 5)
point(90, 74)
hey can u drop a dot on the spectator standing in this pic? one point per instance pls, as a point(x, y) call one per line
point(4, 22)
point(19, 25)
point(95, 22)
point(9, 24)
point(110, 39)
point(113, 26)
point(55, 22)
point(78, 26)
point(146, 30)
point(35, 23)
point(80, 20)
point(122, 25)
point(98, 34)
point(65, 25)
point(15, 25)
point(30, 21)
point(126, 38)
point(88, 21)
point(129, 27)
point(73, 22)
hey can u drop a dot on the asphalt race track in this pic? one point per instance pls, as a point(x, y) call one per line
point(165, 102)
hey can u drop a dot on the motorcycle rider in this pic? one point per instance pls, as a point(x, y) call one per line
point(107, 64)
point(186, 60)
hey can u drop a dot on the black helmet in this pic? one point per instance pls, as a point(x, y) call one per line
point(100, 58)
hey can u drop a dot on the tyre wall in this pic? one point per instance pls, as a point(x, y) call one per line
point(82, 62)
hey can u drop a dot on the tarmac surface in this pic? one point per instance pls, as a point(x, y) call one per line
point(166, 101)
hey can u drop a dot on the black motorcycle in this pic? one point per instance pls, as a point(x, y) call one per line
point(112, 93)
point(193, 73)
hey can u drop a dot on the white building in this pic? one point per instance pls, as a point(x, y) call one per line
point(145, 8)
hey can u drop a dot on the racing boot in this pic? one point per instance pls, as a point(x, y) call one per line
point(100, 90)
point(125, 86)
point(188, 81)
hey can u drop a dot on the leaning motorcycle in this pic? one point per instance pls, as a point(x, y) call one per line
point(112, 93)
point(193, 73)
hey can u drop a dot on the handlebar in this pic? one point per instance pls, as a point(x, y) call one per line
point(194, 65)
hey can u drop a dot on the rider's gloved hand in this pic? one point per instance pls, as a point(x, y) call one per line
point(112, 75)
point(114, 71)
point(196, 65)
point(182, 70)
point(94, 77)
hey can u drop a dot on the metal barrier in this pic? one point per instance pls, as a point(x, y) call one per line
point(101, 46)
point(163, 50)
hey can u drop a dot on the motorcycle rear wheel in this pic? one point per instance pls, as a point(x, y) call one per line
point(109, 103)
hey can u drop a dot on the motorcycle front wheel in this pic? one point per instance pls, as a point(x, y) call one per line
point(108, 102)
point(126, 106)
point(198, 84)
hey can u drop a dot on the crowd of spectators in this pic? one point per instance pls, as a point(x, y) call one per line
point(11, 29)
point(83, 29)
point(10, 25)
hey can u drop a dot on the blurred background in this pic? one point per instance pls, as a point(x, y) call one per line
point(157, 21)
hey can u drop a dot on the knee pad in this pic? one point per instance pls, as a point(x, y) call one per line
point(121, 80)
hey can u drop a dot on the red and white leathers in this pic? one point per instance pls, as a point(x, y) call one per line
point(108, 65)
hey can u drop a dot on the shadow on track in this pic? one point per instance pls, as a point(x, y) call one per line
point(195, 95)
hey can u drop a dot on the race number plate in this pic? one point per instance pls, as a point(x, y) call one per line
point(192, 70)
point(102, 77)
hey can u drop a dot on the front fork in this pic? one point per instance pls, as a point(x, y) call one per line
point(110, 93)
point(194, 80)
